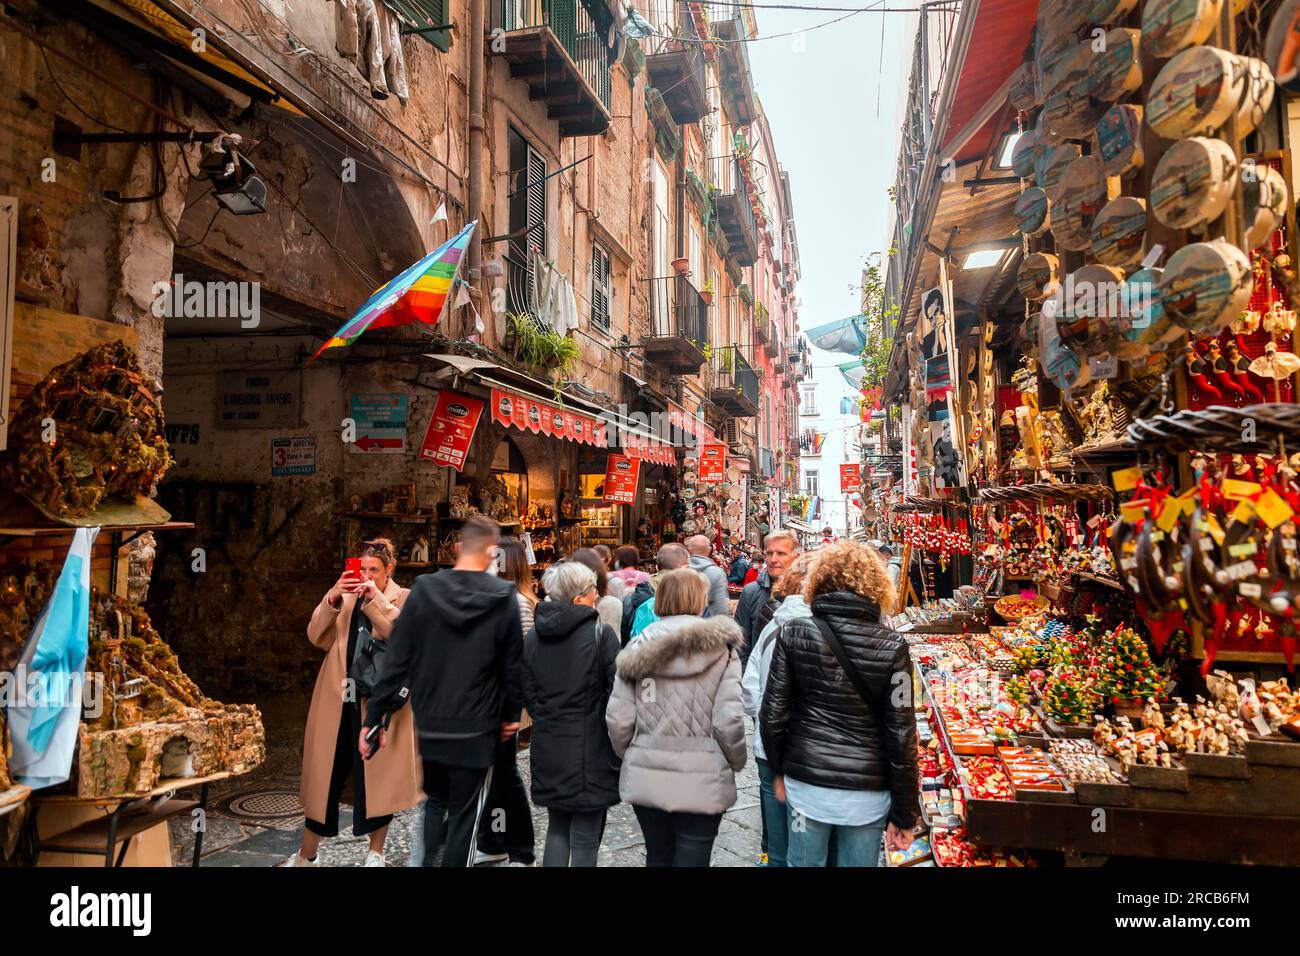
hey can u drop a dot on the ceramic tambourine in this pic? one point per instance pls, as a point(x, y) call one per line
point(1102, 13)
point(1061, 364)
point(1264, 196)
point(1087, 308)
point(1052, 163)
point(1205, 286)
point(1061, 17)
point(1119, 231)
point(1032, 211)
point(1257, 97)
point(1172, 25)
point(1025, 153)
point(735, 493)
point(1079, 195)
point(1024, 94)
point(1143, 323)
point(1282, 46)
point(1196, 92)
point(1068, 109)
point(1192, 183)
point(1115, 70)
point(1119, 139)
point(1038, 270)
point(734, 473)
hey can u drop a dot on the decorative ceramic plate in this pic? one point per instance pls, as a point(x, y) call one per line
point(1060, 17)
point(1119, 231)
point(1090, 303)
point(1052, 163)
point(734, 473)
point(690, 477)
point(1172, 25)
point(735, 493)
point(1025, 154)
point(1060, 363)
point(1031, 211)
point(1079, 195)
point(1103, 13)
point(1192, 183)
point(1115, 71)
point(1265, 199)
point(1067, 108)
point(1205, 286)
point(1142, 321)
point(1196, 92)
point(1119, 140)
point(1037, 271)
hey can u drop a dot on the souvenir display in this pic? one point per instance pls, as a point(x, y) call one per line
point(1205, 286)
point(1119, 231)
point(1116, 70)
point(1038, 271)
point(1265, 198)
point(1068, 110)
point(1172, 25)
point(1080, 193)
point(1031, 212)
point(1052, 163)
point(1192, 182)
point(1024, 155)
point(1195, 92)
point(1088, 314)
point(1119, 139)
point(1024, 94)
point(1103, 13)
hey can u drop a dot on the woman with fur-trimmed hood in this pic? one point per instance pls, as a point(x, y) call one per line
point(676, 718)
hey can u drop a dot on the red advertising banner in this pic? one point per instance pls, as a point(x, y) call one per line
point(451, 429)
point(620, 479)
point(528, 414)
point(850, 477)
point(713, 462)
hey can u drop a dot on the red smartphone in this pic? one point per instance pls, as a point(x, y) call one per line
point(352, 566)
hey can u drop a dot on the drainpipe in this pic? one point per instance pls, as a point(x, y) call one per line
point(474, 199)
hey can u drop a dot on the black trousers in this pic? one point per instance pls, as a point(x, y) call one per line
point(455, 800)
point(347, 760)
point(507, 824)
point(677, 839)
point(573, 837)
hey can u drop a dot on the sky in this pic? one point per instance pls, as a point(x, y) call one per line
point(833, 103)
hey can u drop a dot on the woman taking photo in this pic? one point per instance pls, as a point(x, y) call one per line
point(836, 718)
point(355, 611)
point(677, 720)
point(568, 675)
point(608, 607)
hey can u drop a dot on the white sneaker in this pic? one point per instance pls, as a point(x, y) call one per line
point(373, 858)
point(297, 859)
point(480, 857)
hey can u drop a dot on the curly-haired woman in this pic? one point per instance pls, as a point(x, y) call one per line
point(836, 721)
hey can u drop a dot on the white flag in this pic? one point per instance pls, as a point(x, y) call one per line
point(440, 215)
point(462, 297)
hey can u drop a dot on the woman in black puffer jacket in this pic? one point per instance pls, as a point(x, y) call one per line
point(843, 765)
point(568, 674)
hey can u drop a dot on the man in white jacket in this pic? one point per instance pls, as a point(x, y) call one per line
point(753, 686)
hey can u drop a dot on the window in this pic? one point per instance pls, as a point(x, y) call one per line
point(809, 406)
point(527, 215)
point(599, 287)
point(811, 485)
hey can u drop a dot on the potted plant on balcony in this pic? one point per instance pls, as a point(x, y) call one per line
point(681, 265)
point(707, 292)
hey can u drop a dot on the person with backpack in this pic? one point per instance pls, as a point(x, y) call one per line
point(701, 553)
point(837, 721)
point(568, 677)
point(638, 607)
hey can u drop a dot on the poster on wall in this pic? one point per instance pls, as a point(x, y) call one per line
point(850, 478)
point(260, 400)
point(713, 461)
point(621, 474)
point(293, 456)
point(380, 419)
point(451, 429)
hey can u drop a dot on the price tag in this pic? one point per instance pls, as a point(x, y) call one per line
point(1215, 529)
point(1094, 521)
point(1126, 479)
point(1242, 569)
point(1158, 535)
point(1244, 549)
point(1249, 589)
point(1273, 508)
point(1236, 490)
point(1132, 513)
point(1188, 501)
point(1169, 515)
point(1103, 366)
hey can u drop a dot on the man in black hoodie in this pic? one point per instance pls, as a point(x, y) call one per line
point(455, 652)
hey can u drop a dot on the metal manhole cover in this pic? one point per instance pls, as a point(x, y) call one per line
point(266, 805)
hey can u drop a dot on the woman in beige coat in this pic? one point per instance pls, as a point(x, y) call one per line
point(390, 781)
point(676, 718)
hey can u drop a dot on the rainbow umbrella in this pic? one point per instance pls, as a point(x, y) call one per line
point(418, 294)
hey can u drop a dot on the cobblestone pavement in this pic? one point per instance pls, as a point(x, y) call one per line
point(234, 837)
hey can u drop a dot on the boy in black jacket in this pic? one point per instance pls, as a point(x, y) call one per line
point(455, 651)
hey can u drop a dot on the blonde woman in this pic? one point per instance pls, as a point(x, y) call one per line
point(352, 612)
point(677, 721)
point(836, 718)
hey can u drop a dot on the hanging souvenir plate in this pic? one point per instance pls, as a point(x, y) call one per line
point(1119, 231)
point(1060, 363)
point(1087, 308)
point(1047, 138)
point(1031, 211)
point(1024, 88)
point(1205, 286)
point(689, 478)
point(735, 493)
point(1193, 182)
point(1172, 25)
point(1196, 92)
point(1103, 13)
point(1025, 153)
point(1116, 71)
point(1142, 322)
point(1067, 107)
point(1257, 97)
point(1265, 200)
point(1060, 17)
point(1119, 140)
point(689, 463)
point(734, 473)
point(1282, 46)
point(1080, 193)
point(1037, 271)
point(1052, 163)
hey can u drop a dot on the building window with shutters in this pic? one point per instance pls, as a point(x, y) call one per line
point(526, 222)
point(600, 287)
point(811, 484)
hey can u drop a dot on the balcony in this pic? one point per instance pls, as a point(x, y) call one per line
point(736, 214)
point(679, 326)
point(736, 81)
point(735, 383)
point(557, 49)
point(678, 75)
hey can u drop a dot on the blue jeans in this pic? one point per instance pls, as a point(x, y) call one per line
point(854, 846)
point(774, 817)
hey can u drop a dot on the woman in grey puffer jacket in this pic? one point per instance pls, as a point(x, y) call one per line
point(676, 718)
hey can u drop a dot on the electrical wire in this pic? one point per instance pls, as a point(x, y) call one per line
point(59, 86)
